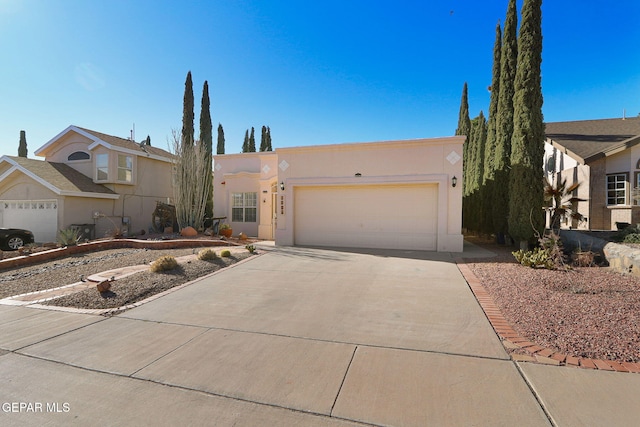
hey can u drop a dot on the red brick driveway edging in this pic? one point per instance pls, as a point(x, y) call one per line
point(535, 353)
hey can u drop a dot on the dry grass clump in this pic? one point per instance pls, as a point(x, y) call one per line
point(207, 254)
point(164, 263)
point(225, 253)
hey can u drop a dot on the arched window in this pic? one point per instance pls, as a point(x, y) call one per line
point(79, 155)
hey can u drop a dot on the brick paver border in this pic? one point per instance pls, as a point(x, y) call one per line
point(535, 353)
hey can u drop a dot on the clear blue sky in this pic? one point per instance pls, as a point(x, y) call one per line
point(315, 72)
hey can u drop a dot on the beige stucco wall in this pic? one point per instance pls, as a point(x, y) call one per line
point(393, 162)
point(68, 144)
point(241, 173)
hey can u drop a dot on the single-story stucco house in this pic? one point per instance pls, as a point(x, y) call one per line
point(89, 180)
point(392, 194)
point(604, 156)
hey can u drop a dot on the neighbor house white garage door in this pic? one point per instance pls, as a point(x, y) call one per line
point(367, 216)
point(39, 216)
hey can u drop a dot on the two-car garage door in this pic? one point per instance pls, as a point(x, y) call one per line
point(367, 216)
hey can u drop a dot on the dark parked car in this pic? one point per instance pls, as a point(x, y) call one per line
point(13, 238)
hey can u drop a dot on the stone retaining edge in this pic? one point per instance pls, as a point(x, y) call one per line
point(101, 245)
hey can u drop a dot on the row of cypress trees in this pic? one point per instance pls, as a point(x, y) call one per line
point(502, 185)
point(249, 144)
point(191, 148)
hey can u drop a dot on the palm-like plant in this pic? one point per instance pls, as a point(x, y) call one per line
point(562, 202)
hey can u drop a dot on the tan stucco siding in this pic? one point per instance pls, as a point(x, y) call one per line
point(19, 186)
point(424, 161)
point(67, 144)
point(242, 173)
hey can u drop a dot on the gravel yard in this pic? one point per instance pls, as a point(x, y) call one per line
point(589, 312)
point(124, 291)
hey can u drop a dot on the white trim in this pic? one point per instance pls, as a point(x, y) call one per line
point(96, 142)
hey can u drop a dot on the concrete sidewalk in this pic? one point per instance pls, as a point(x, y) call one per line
point(297, 336)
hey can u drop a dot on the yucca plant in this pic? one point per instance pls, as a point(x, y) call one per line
point(68, 237)
point(562, 202)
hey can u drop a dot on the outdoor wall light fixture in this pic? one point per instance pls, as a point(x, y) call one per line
point(282, 185)
point(358, 174)
point(454, 181)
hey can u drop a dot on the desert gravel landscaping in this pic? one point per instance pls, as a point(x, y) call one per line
point(123, 291)
point(586, 312)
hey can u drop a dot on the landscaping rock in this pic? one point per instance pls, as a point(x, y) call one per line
point(188, 232)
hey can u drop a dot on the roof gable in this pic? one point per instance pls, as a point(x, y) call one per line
point(110, 142)
point(592, 139)
point(60, 178)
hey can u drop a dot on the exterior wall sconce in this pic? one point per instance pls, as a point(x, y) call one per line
point(358, 175)
point(282, 185)
point(454, 181)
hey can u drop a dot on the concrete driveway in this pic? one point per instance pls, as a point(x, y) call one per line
point(294, 337)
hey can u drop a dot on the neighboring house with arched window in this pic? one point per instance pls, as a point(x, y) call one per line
point(87, 178)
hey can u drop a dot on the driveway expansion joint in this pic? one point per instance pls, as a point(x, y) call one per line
point(535, 353)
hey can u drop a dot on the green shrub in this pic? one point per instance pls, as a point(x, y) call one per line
point(207, 254)
point(225, 253)
point(250, 248)
point(621, 235)
point(538, 257)
point(164, 263)
point(632, 238)
point(68, 237)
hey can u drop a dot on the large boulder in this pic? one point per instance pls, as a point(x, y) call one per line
point(188, 232)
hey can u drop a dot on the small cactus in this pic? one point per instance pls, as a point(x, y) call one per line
point(164, 263)
point(225, 253)
point(207, 254)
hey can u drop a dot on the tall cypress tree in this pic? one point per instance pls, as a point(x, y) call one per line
point(504, 121)
point(526, 186)
point(245, 144)
point(252, 141)
point(263, 139)
point(472, 200)
point(269, 146)
point(206, 138)
point(22, 146)
point(464, 128)
point(488, 172)
point(220, 147)
point(467, 204)
point(187, 113)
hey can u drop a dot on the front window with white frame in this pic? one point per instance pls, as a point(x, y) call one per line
point(125, 168)
point(617, 189)
point(102, 167)
point(244, 207)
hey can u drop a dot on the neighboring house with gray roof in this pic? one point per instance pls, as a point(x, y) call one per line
point(87, 178)
point(604, 156)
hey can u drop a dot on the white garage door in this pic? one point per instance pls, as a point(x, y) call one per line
point(367, 216)
point(39, 216)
